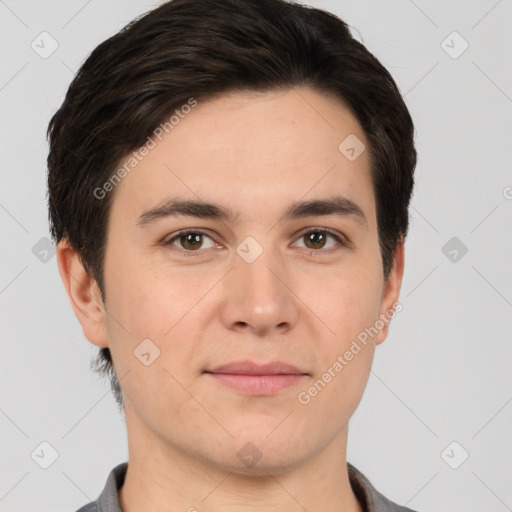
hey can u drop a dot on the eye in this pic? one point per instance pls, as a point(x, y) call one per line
point(190, 241)
point(316, 239)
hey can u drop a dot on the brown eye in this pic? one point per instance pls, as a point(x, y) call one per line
point(189, 241)
point(316, 239)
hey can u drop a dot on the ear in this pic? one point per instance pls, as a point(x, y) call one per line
point(83, 293)
point(389, 303)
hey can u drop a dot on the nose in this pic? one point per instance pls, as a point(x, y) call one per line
point(259, 296)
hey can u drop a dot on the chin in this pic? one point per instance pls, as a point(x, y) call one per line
point(267, 465)
point(262, 454)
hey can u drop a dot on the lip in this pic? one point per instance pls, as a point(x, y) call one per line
point(251, 368)
point(257, 379)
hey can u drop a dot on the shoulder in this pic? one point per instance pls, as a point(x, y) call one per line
point(108, 500)
point(90, 507)
point(370, 498)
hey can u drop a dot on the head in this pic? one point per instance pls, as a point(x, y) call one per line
point(247, 105)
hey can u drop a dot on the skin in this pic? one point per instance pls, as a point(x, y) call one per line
point(298, 303)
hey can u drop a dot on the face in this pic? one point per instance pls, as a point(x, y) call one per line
point(256, 280)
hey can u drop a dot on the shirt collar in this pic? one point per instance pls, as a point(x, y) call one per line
point(371, 500)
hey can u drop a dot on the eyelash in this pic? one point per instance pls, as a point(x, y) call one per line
point(168, 242)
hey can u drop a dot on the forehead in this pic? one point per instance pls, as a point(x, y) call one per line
point(253, 152)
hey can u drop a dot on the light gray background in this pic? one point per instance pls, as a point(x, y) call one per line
point(442, 375)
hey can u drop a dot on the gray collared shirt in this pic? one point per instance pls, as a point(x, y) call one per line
point(371, 500)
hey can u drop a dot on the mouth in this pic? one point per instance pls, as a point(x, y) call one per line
point(256, 379)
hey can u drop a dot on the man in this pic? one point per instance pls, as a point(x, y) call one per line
point(229, 186)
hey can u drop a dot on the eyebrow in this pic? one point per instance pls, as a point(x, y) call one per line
point(336, 206)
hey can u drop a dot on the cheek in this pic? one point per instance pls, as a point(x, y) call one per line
point(333, 394)
point(146, 298)
point(149, 302)
point(350, 303)
point(146, 305)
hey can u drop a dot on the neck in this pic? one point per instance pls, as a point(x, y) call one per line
point(165, 478)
